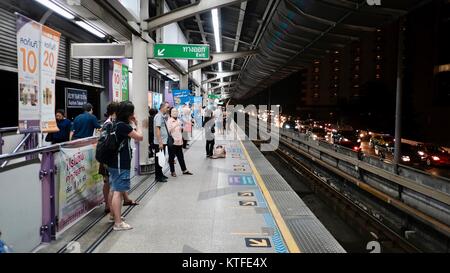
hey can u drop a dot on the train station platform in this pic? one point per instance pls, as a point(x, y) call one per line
point(239, 204)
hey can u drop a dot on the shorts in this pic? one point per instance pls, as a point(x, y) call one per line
point(119, 181)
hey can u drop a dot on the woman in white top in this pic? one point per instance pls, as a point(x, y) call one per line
point(176, 150)
point(219, 119)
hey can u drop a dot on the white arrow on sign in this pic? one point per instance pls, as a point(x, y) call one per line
point(262, 243)
point(161, 52)
point(246, 194)
point(249, 203)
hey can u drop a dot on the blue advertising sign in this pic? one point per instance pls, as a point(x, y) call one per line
point(157, 100)
point(76, 98)
point(181, 97)
point(197, 105)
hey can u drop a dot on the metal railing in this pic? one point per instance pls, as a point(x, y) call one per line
point(46, 176)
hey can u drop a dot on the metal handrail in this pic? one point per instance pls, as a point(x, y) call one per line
point(21, 143)
point(8, 129)
point(47, 149)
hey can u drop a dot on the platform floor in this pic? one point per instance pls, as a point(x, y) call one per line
point(221, 208)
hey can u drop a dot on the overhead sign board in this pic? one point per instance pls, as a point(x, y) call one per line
point(214, 96)
point(181, 51)
point(76, 98)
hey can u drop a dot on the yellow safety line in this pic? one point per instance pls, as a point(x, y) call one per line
point(285, 232)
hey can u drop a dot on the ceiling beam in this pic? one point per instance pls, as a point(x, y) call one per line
point(200, 26)
point(239, 29)
point(223, 37)
point(220, 57)
point(187, 11)
point(221, 75)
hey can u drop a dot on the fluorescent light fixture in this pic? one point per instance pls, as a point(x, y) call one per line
point(90, 29)
point(216, 26)
point(49, 4)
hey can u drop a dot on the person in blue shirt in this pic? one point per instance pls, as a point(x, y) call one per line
point(64, 129)
point(84, 124)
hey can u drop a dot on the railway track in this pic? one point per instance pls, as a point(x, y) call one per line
point(352, 212)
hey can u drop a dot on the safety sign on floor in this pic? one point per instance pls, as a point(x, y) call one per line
point(239, 180)
point(248, 203)
point(246, 194)
point(257, 242)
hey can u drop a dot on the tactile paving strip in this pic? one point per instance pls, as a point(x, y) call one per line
point(312, 236)
point(309, 233)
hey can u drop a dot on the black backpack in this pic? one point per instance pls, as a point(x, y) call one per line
point(108, 145)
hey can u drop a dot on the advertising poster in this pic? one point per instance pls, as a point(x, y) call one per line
point(157, 100)
point(76, 98)
point(197, 105)
point(80, 185)
point(125, 83)
point(150, 99)
point(49, 62)
point(181, 97)
point(117, 81)
point(168, 93)
point(28, 56)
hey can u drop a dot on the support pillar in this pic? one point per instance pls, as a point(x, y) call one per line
point(138, 95)
point(398, 111)
point(184, 82)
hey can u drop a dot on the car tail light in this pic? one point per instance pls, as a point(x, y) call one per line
point(356, 148)
point(436, 158)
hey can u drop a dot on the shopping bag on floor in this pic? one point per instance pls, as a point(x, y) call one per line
point(161, 158)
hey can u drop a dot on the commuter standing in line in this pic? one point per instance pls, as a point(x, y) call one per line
point(111, 114)
point(176, 150)
point(219, 119)
point(151, 132)
point(187, 124)
point(64, 129)
point(209, 132)
point(84, 124)
point(160, 139)
point(119, 167)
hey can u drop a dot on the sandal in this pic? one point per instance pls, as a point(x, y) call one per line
point(187, 173)
point(130, 203)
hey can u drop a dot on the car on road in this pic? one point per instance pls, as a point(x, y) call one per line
point(385, 142)
point(409, 154)
point(433, 155)
point(347, 139)
point(317, 133)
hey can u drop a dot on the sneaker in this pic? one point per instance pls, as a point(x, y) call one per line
point(122, 226)
point(111, 219)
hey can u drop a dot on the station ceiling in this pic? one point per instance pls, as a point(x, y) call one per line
point(288, 34)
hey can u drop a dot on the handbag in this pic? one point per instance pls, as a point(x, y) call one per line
point(170, 140)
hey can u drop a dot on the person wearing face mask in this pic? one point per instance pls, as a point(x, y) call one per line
point(176, 150)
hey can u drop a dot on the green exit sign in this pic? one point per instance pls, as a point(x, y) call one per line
point(180, 51)
point(214, 96)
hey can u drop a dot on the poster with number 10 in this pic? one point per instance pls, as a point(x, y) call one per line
point(120, 82)
point(37, 53)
